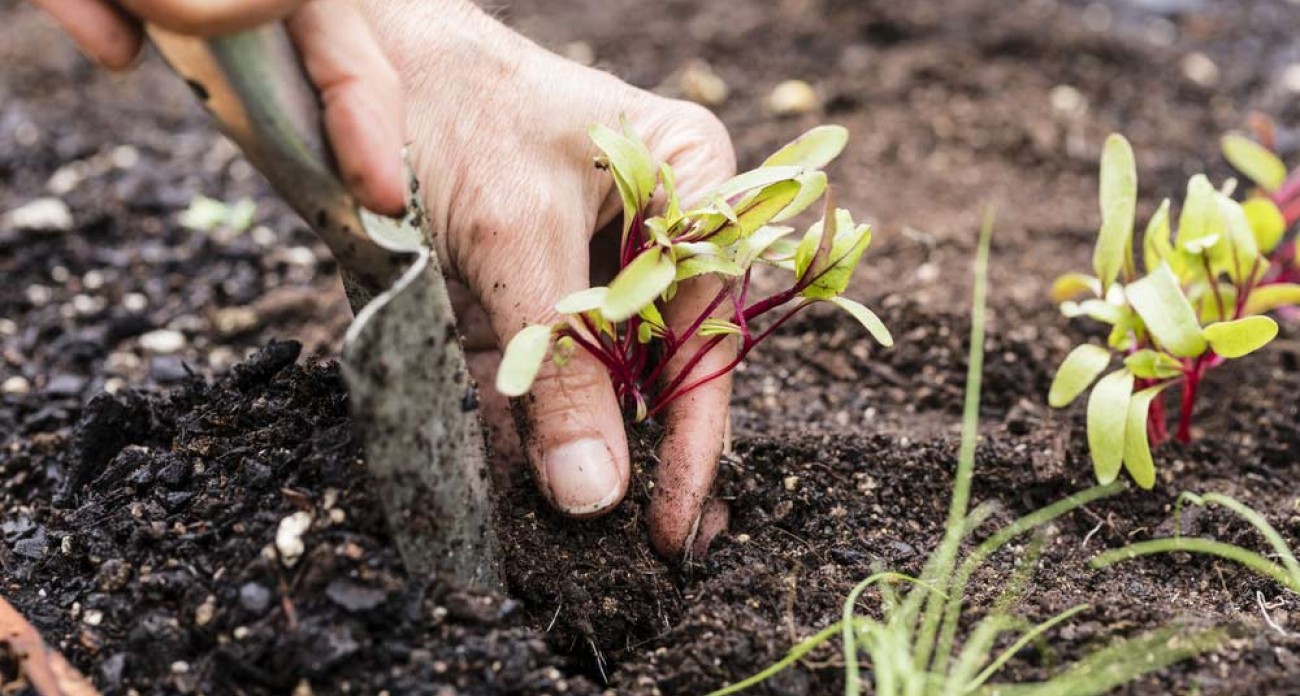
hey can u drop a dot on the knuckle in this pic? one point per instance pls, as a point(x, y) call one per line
point(561, 393)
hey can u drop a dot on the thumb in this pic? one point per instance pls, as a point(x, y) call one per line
point(569, 421)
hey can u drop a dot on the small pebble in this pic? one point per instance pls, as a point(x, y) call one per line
point(1198, 68)
point(792, 97)
point(288, 536)
point(255, 598)
point(49, 214)
point(163, 341)
point(701, 85)
point(232, 321)
point(1291, 78)
point(16, 386)
point(790, 483)
point(135, 302)
point(206, 611)
point(92, 617)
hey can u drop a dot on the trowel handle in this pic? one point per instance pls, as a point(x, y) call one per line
point(253, 83)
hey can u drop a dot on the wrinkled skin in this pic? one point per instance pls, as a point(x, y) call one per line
point(496, 128)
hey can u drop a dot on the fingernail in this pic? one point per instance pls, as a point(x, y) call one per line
point(582, 477)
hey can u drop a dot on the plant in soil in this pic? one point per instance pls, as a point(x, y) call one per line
point(913, 648)
point(727, 234)
point(1286, 573)
point(1201, 300)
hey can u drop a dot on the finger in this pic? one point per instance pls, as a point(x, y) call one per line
point(104, 33)
point(695, 424)
point(572, 429)
point(209, 17)
point(362, 99)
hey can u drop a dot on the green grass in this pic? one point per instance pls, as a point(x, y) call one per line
point(912, 650)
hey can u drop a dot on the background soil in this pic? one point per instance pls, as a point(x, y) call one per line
point(135, 522)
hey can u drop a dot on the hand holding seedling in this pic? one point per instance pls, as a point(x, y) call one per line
point(362, 97)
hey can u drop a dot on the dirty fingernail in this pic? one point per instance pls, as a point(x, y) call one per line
point(582, 477)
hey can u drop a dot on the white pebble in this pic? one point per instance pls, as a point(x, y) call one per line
point(135, 302)
point(701, 85)
point(1291, 78)
point(792, 97)
point(41, 214)
point(288, 536)
point(163, 341)
point(1068, 101)
point(16, 386)
point(124, 157)
point(92, 617)
point(1198, 68)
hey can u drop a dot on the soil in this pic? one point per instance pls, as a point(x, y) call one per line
point(142, 485)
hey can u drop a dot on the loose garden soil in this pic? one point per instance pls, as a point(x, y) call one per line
point(141, 485)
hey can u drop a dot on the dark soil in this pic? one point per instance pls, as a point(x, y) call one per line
point(141, 488)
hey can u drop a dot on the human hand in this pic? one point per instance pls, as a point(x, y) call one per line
point(499, 141)
point(360, 91)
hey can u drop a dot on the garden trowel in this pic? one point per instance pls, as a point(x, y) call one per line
point(410, 390)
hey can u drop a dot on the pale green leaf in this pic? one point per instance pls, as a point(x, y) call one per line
point(867, 318)
point(718, 327)
point(1099, 310)
point(757, 212)
point(1152, 364)
point(757, 244)
point(522, 359)
point(1255, 161)
point(1242, 251)
point(1107, 418)
point(582, 301)
point(1234, 339)
point(1072, 286)
point(1137, 447)
point(1118, 208)
point(1267, 298)
point(650, 314)
point(668, 179)
point(1168, 316)
point(1210, 309)
point(756, 179)
point(1157, 245)
point(1266, 222)
point(1077, 371)
point(706, 263)
point(632, 166)
point(639, 284)
point(813, 254)
point(814, 149)
point(846, 251)
point(811, 187)
point(1198, 222)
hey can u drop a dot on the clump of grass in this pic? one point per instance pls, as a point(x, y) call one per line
point(912, 650)
point(1286, 572)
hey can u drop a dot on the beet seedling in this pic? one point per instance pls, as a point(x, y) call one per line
point(1201, 302)
point(726, 234)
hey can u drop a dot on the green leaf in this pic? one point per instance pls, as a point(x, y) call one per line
point(867, 318)
point(706, 263)
point(1107, 418)
point(1100, 310)
point(758, 243)
point(582, 301)
point(673, 206)
point(814, 149)
point(811, 187)
point(849, 244)
point(1072, 286)
point(522, 359)
point(813, 254)
point(1198, 222)
point(718, 327)
point(639, 284)
point(756, 179)
point(1242, 250)
point(757, 212)
point(1076, 372)
point(1160, 301)
point(632, 166)
point(1255, 161)
point(1137, 447)
point(650, 315)
point(1152, 364)
point(1202, 296)
point(1266, 222)
point(1118, 208)
point(1156, 243)
point(1233, 339)
point(1267, 298)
